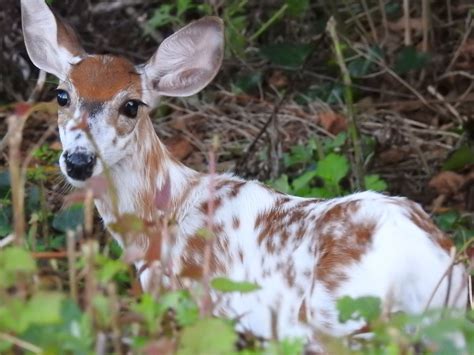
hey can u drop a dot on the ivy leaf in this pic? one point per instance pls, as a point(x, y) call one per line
point(289, 55)
point(367, 308)
point(226, 285)
point(409, 59)
point(208, 336)
point(69, 218)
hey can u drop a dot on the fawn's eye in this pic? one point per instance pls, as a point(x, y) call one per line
point(63, 97)
point(130, 108)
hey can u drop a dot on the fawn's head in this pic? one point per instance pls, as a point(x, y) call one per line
point(106, 97)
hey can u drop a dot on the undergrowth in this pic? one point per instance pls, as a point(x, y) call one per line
point(66, 289)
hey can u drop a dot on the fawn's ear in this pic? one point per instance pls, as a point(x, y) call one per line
point(188, 60)
point(51, 43)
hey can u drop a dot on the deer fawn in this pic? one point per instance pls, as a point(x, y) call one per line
point(304, 253)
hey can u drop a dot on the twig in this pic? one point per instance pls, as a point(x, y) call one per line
point(370, 20)
point(239, 166)
point(406, 20)
point(352, 127)
point(465, 37)
point(426, 24)
point(38, 87)
point(71, 260)
point(276, 16)
point(21, 343)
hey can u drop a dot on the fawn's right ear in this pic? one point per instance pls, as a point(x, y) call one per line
point(51, 44)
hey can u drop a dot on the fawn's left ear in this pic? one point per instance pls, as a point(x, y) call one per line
point(51, 43)
point(188, 60)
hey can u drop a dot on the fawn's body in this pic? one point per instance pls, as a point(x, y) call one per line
point(304, 253)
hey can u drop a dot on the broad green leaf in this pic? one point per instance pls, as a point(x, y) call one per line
point(291, 55)
point(297, 7)
point(367, 308)
point(44, 308)
point(16, 259)
point(374, 183)
point(281, 184)
point(304, 180)
point(226, 285)
point(208, 336)
point(460, 158)
point(69, 218)
point(333, 168)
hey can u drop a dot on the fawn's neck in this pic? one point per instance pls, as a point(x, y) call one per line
point(147, 183)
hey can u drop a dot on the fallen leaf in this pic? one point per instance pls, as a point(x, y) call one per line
point(179, 147)
point(447, 182)
point(333, 122)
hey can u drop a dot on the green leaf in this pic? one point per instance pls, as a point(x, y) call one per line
point(186, 310)
point(111, 268)
point(304, 180)
point(162, 16)
point(69, 218)
point(246, 83)
point(374, 183)
point(367, 308)
point(226, 285)
point(281, 184)
point(409, 59)
point(297, 7)
point(208, 336)
point(44, 308)
point(333, 168)
point(5, 218)
point(289, 55)
point(460, 158)
point(16, 259)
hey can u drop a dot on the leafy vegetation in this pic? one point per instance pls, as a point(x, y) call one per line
point(65, 291)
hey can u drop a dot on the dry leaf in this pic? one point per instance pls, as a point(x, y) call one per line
point(333, 122)
point(447, 182)
point(179, 147)
point(414, 24)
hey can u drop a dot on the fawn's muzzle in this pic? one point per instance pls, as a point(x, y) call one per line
point(79, 165)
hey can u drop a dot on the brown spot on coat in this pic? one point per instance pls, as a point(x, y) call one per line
point(341, 250)
point(235, 222)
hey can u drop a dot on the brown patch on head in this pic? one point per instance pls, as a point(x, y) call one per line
point(100, 78)
point(337, 251)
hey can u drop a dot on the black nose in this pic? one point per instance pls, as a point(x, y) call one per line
point(79, 165)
